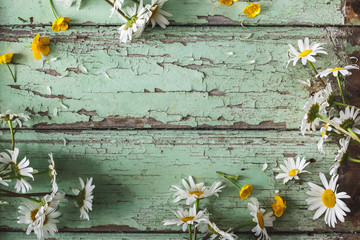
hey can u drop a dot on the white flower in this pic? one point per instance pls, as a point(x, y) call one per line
point(220, 234)
point(8, 116)
point(158, 15)
point(324, 130)
point(20, 170)
point(117, 5)
point(328, 95)
point(292, 169)
point(195, 191)
point(136, 25)
point(84, 198)
point(262, 220)
point(341, 156)
point(315, 105)
point(53, 173)
point(53, 199)
point(335, 71)
point(306, 53)
point(348, 119)
point(327, 201)
point(185, 218)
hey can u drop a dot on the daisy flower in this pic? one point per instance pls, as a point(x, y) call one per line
point(316, 105)
point(292, 169)
point(341, 156)
point(262, 220)
point(18, 118)
point(348, 119)
point(278, 206)
point(185, 218)
point(52, 200)
point(324, 130)
point(117, 5)
point(84, 198)
point(328, 94)
point(335, 71)
point(220, 234)
point(136, 24)
point(20, 170)
point(327, 200)
point(307, 51)
point(53, 173)
point(157, 14)
point(195, 191)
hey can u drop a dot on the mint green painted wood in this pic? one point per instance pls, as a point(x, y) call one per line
point(144, 236)
point(133, 171)
point(181, 77)
point(184, 12)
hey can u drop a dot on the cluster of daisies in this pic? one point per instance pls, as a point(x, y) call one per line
point(40, 214)
point(135, 18)
point(195, 220)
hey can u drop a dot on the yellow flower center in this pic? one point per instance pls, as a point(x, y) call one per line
point(245, 191)
point(185, 219)
point(305, 53)
point(294, 172)
point(335, 69)
point(197, 193)
point(260, 220)
point(33, 216)
point(328, 198)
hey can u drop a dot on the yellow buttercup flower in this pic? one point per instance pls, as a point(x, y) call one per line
point(227, 2)
point(278, 206)
point(245, 191)
point(60, 24)
point(252, 10)
point(39, 45)
point(6, 58)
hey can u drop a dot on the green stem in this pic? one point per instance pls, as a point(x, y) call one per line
point(352, 132)
point(189, 228)
point(235, 177)
point(11, 72)
point(27, 196)
point(316, 72)
point(242, 225)
point(353, 159)
point(338, 127)
point(119, 10)
point(341, 91)
point(197, 210)
point(12, 135)
point(345, 105)
point(225, 176)
point(42, 172)
point(52, 9)
point(249, 2)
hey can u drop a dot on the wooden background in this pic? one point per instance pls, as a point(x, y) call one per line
point(176, 104)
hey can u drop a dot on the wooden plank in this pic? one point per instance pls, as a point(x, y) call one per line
point(147, 236)
point(281, 12)
point(181, 78)
point(133, 171)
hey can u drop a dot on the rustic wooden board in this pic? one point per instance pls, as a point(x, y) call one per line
point(179, 78)
point(300, 12)
point(133, 171)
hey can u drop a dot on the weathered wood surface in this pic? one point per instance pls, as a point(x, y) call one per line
point(178, 78)
point(133, 171)
point(184, 12)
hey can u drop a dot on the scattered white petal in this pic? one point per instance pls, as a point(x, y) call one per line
point(248, 36)
point(106, 75)
point(354, 58)
point(65, 74)
point(55, 112)
point(242, 24)
point(63, 105)
point(48, 90)
point(83, 69)
point(64, 140)
point(250, 62)
point(277, 191)
point(307, 82)
point(264, 167)
point(51, 59)
point(230, 53)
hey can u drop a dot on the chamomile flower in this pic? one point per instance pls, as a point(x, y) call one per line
point(220, 234)
point(84, 198)
point(157, 14)
point(328, 95)
point(136, 24)
point(307, 51)
point(349, 119)
point(327, 200)
point(341, 156)
point(262, 220)
point(187, 217)
point(53, 173)
point(335, 71)
point(52, 200)
point(292, 169)
point(17, 117)
point(316, 105)
point(117, 5)
point(195, 191)
point(20, 170)
point(324, 130)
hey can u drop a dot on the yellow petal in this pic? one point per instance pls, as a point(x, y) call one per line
point(6, 58)
point(35, 41)
point(44, 41)
point(66, 19)
point(37, 54)
point(55, 27)
point(252, 10)
point(60, 20)
point(64, 26)
point(45, 50)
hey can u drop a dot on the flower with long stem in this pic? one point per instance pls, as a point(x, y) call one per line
point(244, 191)
point(6, 59)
